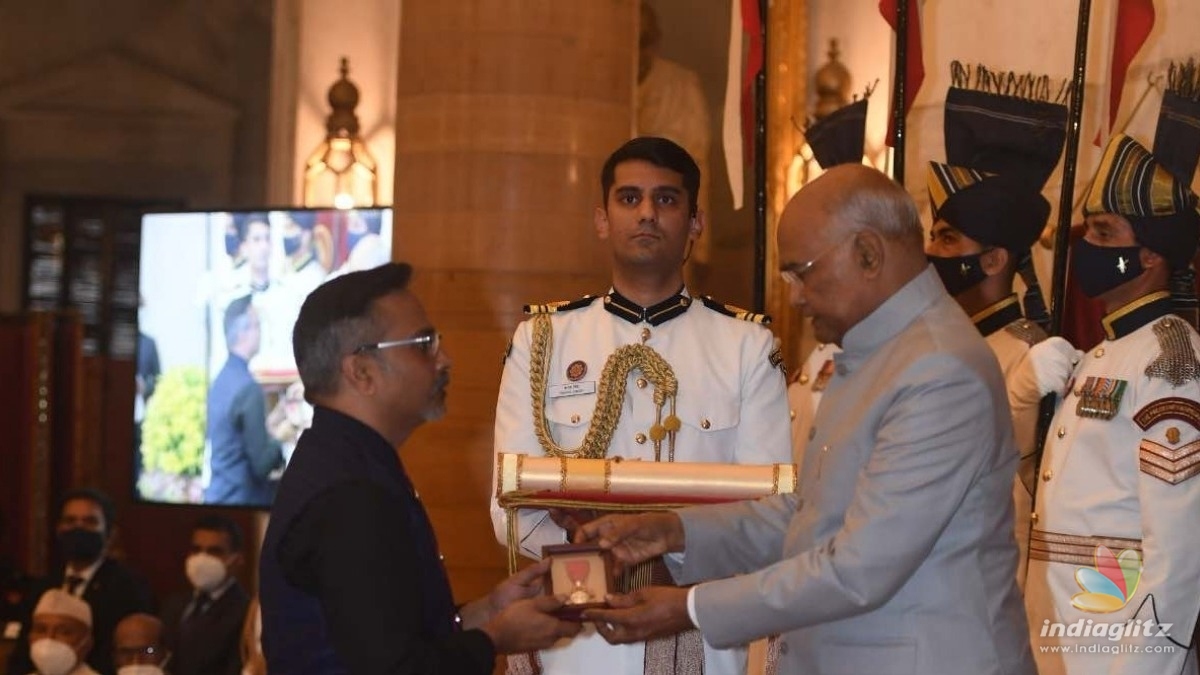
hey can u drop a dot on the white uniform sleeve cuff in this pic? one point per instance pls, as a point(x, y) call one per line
point(691, 606)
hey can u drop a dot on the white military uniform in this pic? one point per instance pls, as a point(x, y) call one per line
point(804, 394)
point(1010, 335)
point(731, 402)
point(1119, 471)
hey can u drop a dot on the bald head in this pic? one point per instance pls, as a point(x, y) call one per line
point(138, 640)
point(847, 242)
point(854, 197)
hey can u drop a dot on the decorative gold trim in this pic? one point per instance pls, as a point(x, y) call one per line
point(610, 395)
point(1170, 465)
point(993, 309)
point(1117, 314)
point(1074, 549)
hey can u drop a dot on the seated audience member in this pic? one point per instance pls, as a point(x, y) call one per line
point(60, 635)
point(83, 535)
point(138, 646)
point(204, 624)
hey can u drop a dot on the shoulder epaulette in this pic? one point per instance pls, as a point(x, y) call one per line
point(735, 312)
point(560, 306)
point(1026, 331)
point(1176, 362)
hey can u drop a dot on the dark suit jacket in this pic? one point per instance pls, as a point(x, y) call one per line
point(113, 593)
point(208, 644)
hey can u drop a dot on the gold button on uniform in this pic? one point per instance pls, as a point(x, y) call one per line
point(641, 383)
point(792, 414)
point(803, 378)
point(1099, 352)
point(1047, 475)
point(645, 334)
point(640, 438)
point(1033, 517)
point(1062, 431)
point(574, 419)
point(704, 423)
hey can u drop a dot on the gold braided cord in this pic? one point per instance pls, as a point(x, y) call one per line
point(610, 393)
point(513, 502)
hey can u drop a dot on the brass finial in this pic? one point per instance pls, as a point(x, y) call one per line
point(832, 81)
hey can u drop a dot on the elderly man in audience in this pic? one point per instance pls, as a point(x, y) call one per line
point(60, 635)
point(138, 646)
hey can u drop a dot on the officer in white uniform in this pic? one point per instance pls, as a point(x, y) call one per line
point(1114, 571)
point(988, 211)
point(805, 391)
point(731, 404)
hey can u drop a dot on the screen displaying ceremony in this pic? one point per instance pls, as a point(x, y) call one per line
point(219, 404)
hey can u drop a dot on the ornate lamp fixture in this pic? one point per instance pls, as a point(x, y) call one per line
point(340, 172)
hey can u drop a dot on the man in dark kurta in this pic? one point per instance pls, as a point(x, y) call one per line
point(351, 578)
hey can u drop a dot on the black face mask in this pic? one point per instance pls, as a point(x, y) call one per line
point(1099, 269)
point(80, 545)
point(291, 244)
point(959, 273)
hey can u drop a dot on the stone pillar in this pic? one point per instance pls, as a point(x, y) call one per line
point(505, 113)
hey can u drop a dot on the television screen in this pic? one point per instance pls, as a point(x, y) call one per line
point(219, 404)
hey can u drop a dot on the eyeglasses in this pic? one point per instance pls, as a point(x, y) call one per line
point(795, 274)
point(430, 343)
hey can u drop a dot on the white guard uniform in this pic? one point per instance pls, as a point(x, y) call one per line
point(1010, 335)
point(1119, 471)
point(731, 402)
point(804, 394)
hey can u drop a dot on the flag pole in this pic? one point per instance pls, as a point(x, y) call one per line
point(1066, 208)
point(899, 81)
point(760, 169)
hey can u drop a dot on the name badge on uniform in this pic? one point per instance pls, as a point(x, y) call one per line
point(571, 389)
point(1100, 397)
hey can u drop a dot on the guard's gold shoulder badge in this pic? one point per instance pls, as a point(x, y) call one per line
point(1176, 362)
point(1026, 331)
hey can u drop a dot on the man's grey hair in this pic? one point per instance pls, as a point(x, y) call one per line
point(336, 319)
point(886, 207)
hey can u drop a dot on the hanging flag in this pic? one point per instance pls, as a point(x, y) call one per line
point(1135, 19)
point(914, 66)
point(737, 128)
point(731, 128)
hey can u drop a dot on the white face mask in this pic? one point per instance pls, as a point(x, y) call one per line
point(52, 657)
point(140, 669)
point(205, 571)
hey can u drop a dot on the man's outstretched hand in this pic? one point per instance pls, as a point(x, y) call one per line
point(645, 614)
point(633, 539)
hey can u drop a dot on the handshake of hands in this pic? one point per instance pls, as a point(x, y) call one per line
point(518, 616)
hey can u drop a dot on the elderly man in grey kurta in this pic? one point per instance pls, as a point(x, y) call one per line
point(897, 554)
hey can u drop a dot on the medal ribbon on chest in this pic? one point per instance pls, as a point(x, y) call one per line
point(1100, 397)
